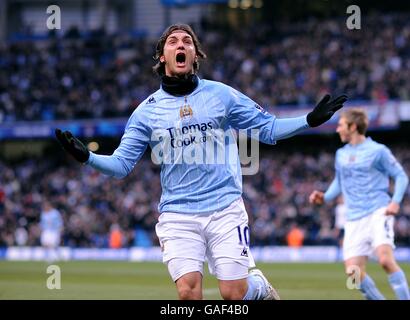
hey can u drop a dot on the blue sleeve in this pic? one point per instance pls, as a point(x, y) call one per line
point(334, 189)
point(244, 113)
point(133, 144)
point(288, 127)
point(387, 163)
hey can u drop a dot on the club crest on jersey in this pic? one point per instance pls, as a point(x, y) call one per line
point(352, 158)
point(185, 112)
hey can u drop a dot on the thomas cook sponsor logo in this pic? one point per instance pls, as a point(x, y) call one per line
point(202, 143)
point(186, 135)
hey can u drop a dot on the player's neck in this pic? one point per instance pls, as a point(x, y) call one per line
point(180, 86)
point(357, 139)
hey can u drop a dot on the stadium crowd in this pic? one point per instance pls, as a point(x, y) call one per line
point(93, 205)
point(109, 75)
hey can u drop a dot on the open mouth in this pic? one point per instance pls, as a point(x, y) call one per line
point(180, 58)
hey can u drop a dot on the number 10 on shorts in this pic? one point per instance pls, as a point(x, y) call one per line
point(243, 235)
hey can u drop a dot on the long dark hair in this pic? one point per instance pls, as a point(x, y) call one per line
point(159, 67)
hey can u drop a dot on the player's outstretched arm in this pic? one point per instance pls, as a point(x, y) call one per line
point(72, 145)
point(325, 109)
point(244, 113)
point(120, 163)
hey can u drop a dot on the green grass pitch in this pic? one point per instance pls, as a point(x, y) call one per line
point(150, 281)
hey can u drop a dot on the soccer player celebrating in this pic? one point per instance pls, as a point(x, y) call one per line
point(363, 168)
point(202, 211)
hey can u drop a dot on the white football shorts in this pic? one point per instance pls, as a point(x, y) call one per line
point(364, 235)
point(220, 237)
point(50, 239)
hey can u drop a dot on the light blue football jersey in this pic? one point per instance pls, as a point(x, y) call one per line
point(362, 175)
point(193, 139)
point(51, 221)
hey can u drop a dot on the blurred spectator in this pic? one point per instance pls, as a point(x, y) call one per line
point(21, 236)
point(295, 236)
point(116, 237)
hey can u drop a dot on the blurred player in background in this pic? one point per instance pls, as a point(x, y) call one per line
point(51, 225)
point(363, 168)
point(202, 211)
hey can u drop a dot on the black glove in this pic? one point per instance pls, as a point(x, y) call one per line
point(325, 110)
point(72, 145)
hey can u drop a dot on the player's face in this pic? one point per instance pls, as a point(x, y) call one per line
point(344, 131)
point(179, 54)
